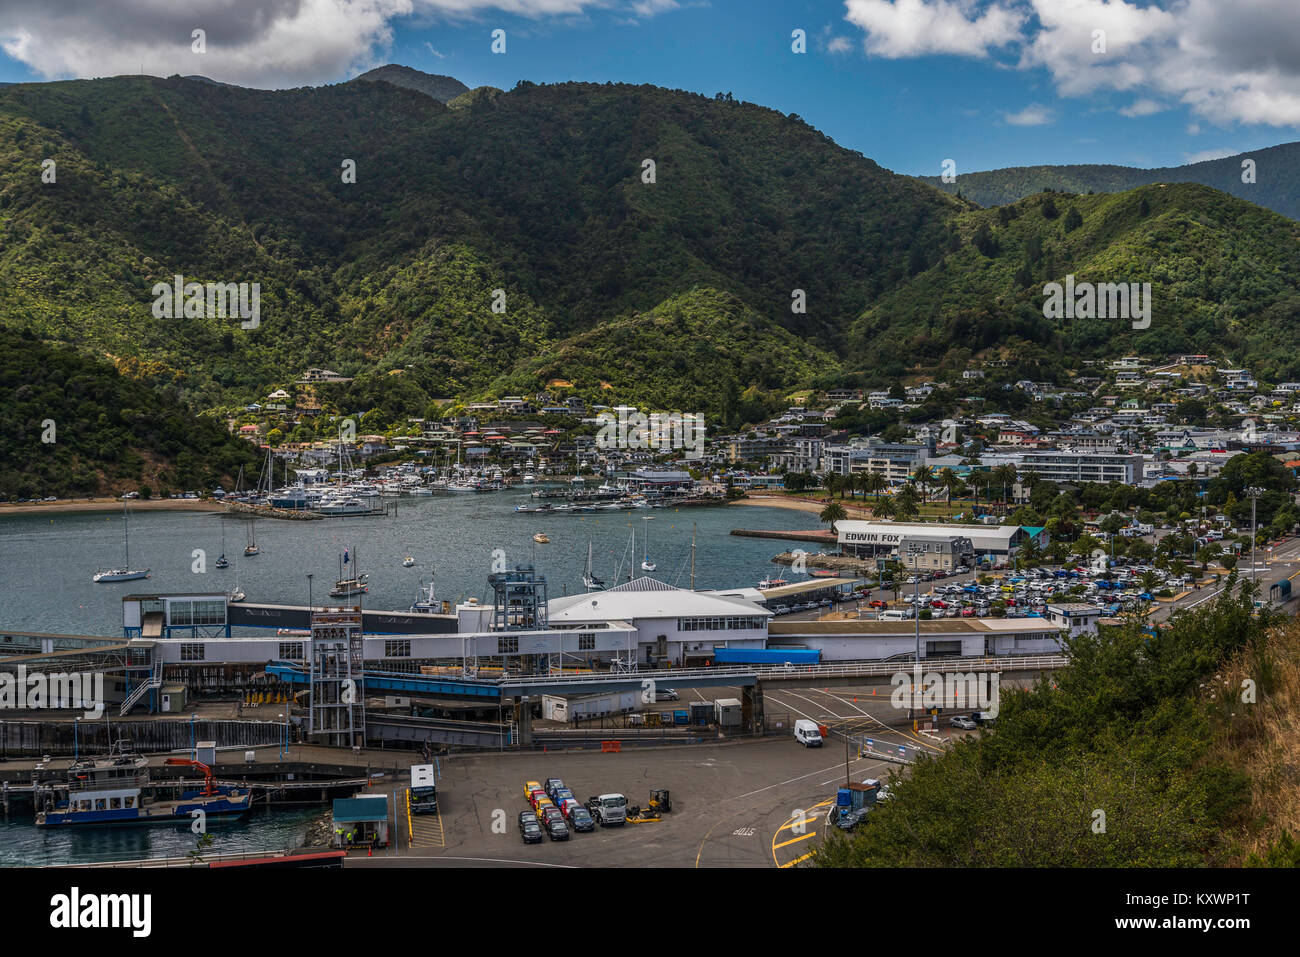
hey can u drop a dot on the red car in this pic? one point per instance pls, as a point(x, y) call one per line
point(876, 603)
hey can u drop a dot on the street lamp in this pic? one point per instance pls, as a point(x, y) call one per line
point(284, 733)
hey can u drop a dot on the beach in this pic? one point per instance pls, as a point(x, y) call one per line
point(111, 505)
point(801, 504)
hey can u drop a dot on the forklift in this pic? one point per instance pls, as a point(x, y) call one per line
point(660, 803)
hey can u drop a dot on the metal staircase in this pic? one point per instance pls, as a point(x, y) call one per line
point(139, 691)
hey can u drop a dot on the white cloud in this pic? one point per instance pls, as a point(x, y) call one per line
point(1034, 114)
point(440, 56)
point(1193, 129)
point(907, 28)
point(839, 45)
point(1225, 62)
point(261, 43)
point(1205, 155)
point(1142, 107)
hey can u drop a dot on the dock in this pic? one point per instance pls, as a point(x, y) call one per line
point(819, 535)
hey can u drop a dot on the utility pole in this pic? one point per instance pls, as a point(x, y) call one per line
point(1254, 494)
point(913, 551)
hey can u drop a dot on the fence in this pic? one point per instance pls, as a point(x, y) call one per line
point(94, 737)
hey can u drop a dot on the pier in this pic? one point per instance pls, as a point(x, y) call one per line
point(818, 535)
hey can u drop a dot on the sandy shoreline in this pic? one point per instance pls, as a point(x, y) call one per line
point(800, 505)
point(111, 505)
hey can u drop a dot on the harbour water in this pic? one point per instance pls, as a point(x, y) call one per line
point(23, 843)
point(46, 562)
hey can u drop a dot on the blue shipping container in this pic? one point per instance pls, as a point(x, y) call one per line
point(767, 656)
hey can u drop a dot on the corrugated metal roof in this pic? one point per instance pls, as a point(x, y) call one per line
point(356, 809)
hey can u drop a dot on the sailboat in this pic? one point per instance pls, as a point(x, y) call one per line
point(647, 565)
point(237, 593)
point(222, 561)
point(589, 579)
point(125, 573)
point(251, 548)
point(348, 587)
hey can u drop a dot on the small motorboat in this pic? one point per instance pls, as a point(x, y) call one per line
point(408, 561)
point(541, 539)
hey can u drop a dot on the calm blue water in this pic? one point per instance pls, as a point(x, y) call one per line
point(23, 843)
point(46, 562)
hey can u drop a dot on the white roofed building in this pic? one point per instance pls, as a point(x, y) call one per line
point(669, 624)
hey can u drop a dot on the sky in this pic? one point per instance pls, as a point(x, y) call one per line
point(909, 83)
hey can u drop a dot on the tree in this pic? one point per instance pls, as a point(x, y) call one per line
point(834, 512)
point(924, 478)
point(1072, 220)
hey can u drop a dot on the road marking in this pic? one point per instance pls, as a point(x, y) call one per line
point(795, 840)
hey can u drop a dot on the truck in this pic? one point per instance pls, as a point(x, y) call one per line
point(609, 810)
point(424, 789)
point(808, 733)
point(556, 708)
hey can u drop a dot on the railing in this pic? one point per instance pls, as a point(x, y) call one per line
point(140, 690)
point(848, 669)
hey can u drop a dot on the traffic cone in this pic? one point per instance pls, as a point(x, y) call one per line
point(370, 851)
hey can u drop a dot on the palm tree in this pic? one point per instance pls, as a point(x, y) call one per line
point(949, 480)
point(924, 478)
point(905, 505)
point(863, 483)
point(831, 483)
point(876, 483)
point(883, 508)
point(977, 481)
point(1006, 475)
point(834, 512)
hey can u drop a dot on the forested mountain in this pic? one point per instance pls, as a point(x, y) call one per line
point(647, 245)
point(75, 425)
point(441, 88)
point(1224, 278)
point(541, 192)
point(1276, 179)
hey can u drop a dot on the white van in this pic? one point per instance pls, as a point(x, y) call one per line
point(807, 733)
point(895, 614)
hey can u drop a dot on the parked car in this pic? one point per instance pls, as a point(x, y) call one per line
point(529, 829)
point(529, 788)
point(552, 785)
point(553, 821)
point(962, 722)
point(580, 819)
point(781, 610)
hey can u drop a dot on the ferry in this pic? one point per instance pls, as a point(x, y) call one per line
point(767, 583)
point(115, 790)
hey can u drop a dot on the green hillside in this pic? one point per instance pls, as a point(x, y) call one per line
point(1224, 278)
point(537, 191)
point(76, 426)
point(1276, 185)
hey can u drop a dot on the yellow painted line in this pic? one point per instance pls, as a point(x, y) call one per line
point(410, 833)
point(795, 840)
point(808, 816)
point(798, 860)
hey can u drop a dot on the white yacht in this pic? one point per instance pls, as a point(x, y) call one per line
point(125, 573)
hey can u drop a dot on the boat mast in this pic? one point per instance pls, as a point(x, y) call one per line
point(693, 557)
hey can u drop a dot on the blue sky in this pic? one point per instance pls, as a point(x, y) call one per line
point(909, 83)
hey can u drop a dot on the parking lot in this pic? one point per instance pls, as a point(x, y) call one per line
point(734, 804)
